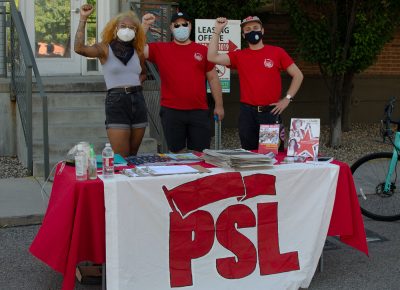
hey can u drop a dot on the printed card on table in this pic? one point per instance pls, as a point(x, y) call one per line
point(304, 137)
point(269, 139)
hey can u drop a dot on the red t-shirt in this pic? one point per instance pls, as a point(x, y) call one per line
point(182, 71)
point(260, 73)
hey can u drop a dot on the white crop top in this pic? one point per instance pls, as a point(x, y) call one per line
point(116, 74)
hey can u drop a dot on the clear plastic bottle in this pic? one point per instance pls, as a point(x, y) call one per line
point(108, 161)
point(80, 163)
point(92, 164)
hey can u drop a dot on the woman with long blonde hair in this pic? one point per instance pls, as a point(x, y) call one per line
point(121, 55)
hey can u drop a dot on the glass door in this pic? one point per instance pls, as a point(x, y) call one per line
point(51, 26)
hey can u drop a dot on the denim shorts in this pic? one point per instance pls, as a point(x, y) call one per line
point(125, 110)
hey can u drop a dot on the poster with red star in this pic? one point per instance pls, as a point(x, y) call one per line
point(304, 137)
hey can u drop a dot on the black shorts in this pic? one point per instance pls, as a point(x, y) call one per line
point(189, 129)
point(125, 110)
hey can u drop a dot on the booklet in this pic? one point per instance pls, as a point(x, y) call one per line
point(304, 137)
point(269, 138)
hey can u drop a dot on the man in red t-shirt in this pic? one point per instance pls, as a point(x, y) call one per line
point(184, 69)
point(259, 67)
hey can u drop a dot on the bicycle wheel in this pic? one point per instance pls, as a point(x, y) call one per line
point(369, 173)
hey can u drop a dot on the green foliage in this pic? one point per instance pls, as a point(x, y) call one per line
point(52, 21)
point(233, 9)
point(321, 26)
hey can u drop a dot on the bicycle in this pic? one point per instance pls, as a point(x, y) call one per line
point(375, 175)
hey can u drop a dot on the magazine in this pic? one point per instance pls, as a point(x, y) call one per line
point(269, 138)
point(304, 137)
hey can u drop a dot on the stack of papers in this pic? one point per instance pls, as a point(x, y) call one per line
point(238, 159)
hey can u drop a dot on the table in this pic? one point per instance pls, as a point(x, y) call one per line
point(73, 228)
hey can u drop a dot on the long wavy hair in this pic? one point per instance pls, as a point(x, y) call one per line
point(110, 31)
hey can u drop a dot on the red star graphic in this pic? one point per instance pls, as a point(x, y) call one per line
point(308, 146)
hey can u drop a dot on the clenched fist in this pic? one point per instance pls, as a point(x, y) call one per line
point(148, 19)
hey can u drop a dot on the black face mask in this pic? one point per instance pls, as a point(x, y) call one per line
point(253, 37)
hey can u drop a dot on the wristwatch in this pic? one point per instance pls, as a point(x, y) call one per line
point(289, 97)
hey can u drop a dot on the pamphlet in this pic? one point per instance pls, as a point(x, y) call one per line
point(304, 137)
point(269, 138)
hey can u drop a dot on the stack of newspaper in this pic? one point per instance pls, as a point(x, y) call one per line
point(238, 159)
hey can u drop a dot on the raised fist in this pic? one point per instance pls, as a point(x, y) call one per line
point(86, 10)
point(148, 19)
point(220, 23)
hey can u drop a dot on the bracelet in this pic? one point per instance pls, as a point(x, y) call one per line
point(82, 21)
point(216, 33)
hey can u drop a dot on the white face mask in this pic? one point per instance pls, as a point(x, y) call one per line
point(126, 34)
point(181, 33)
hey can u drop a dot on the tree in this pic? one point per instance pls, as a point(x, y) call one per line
point(344, 37)
point(233, 9)
point(52, 21)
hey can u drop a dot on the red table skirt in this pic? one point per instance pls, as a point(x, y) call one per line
point(73, 228)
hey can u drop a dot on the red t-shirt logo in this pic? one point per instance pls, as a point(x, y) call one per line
point(198, 56)
point(268, 63)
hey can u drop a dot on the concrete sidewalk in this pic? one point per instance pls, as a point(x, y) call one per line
point(23, 201)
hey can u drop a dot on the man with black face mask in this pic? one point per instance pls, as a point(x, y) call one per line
point(184, 69)
point(259, 67)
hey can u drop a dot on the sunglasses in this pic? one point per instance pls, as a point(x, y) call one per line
point(177, 25)
point(123, 26)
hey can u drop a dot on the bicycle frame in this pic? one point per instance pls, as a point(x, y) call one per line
point(393, 162)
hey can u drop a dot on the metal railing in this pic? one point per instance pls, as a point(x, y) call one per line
point(3, 47)
point(22, 63)
point(158, 32)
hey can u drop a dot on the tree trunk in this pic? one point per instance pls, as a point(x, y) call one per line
point(335, 111)
point(336, 132)
point(347, 92)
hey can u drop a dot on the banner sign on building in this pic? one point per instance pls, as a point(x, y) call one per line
point(229, 40)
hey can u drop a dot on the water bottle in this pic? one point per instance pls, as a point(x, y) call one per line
point(80, 163)
point(108, 161)
point(92, 164)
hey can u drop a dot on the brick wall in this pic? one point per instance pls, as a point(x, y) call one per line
point(277, 32)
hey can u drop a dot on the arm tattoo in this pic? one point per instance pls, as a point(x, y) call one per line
point(80, 38)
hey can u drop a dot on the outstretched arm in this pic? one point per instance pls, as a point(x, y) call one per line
point(212, 54)
point(96, 50)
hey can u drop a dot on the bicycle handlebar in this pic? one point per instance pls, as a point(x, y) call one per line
point(387, 121)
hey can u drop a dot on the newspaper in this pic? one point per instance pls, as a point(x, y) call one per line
point(238, 158)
